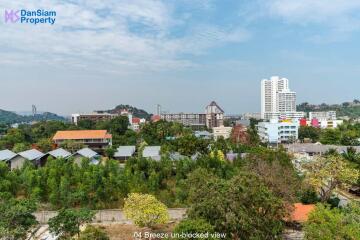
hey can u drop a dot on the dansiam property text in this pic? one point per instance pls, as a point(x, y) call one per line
point(23, 16)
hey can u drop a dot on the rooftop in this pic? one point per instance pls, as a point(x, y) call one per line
point(301, 212)
point(82, 134)
point(6, 155)
point(125, 151)
point(31, 154)
point(60, 152)
point(87, 152)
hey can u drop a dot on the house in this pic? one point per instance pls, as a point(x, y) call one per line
point(32, 155)
point(93, 156)
point(57, 153)
point(124, 152)
point(152, 152)
point(97, 140)
point(203, 134)
point(176, 156)
point(6, 155)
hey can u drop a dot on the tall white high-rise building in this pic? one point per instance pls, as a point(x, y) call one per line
point(277, 100)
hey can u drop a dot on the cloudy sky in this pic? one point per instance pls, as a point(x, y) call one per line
point(178, 53)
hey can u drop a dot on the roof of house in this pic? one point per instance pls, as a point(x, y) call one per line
point(151, 151)
point(59, 153)
point(176, 156)
point(301, 212)
point(81, 134)
point(6, 155)
point(31, 154)
point(136, 120)
point(317, 148)
point(125, 151)
point(87, 152)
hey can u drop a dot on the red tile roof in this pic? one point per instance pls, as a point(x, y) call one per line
point(136, 120)
point(301, 212)
point(81, 134)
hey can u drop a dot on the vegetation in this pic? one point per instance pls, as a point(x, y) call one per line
point(7, 117)
point(242, 207)
point(145, 210)
point(93, 233)
point(333, 223)
point(193, 226)
point(68, 221)
point(328, 173)
point(16, 217)
point(350, 109)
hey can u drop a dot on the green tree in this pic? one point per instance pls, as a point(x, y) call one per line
point(45, 144)
point(193, 226)
point(16, 218)
point(333, 223)
point(93, 233)
point(72, 146)
point(327, 173)
point(68, 221)
point(145, 210)
point(310, 133)
point(20, 147)
point(86, 124)
point(242, 207)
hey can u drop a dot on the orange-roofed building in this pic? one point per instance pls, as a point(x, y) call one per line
point(97, 140)
point(301, 212)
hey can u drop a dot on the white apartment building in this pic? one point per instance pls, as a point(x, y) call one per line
point(222, 131)
point(277, 99)
point(321, 116)
point(277, 131)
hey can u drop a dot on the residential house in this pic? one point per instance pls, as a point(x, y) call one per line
point(32, 155)
point(93, 156)
point(152, 152)
point(6, 155)
point(124, 152)
point(57, 153)
point(97, 140)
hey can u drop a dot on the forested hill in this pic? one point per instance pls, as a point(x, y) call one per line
point(140, 113)
point(350, 109)
point(9, 117)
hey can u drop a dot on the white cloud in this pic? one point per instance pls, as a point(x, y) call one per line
point(120, 36)
point(339, 15)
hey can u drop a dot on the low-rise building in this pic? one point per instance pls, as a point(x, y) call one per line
point(6, 155)
point(93, 156)
point(203, 134)
point(124, 152)
point(277, 131)
point(95, 117)
point(152, 152)
point(32, 155)
point(222, 131)
point(187, 119)
point(97, 140)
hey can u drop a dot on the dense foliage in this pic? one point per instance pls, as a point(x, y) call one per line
point(7, 117)
point(333, 223)
point(68, 221)
point(145, 210)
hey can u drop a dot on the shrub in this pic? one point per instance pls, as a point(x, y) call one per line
point(145, 210)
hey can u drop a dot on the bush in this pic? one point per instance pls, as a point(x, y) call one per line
point(193, 226)
point(145, 210)
point(93, 233)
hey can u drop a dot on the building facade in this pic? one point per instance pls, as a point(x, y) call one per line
point(95, 117)
point(187, 119)
point(222, 131)
point(277, 99)
point(96, 140)
point(214, 115)
point(277, 131)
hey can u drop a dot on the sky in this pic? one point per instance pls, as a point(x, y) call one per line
point(180, 54)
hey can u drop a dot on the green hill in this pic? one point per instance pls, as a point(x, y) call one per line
point(8, 117)
point(350, 109)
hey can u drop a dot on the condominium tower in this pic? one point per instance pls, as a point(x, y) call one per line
point(277, 100)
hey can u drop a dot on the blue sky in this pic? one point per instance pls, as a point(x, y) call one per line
point(181, 54)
